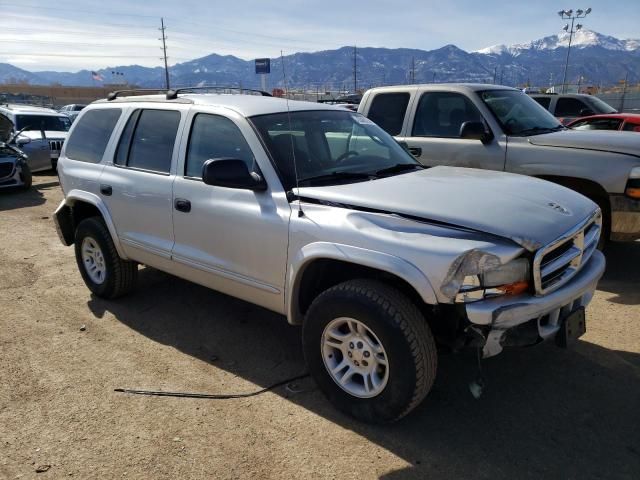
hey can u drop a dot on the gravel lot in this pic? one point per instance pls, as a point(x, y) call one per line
point(546, 413)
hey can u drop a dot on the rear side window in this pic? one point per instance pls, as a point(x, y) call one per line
point(544, 101)
point(148, 139)
point(90, 136)
point(570, 107)
point(388, 110)
point(441, 114)
point(213, 136)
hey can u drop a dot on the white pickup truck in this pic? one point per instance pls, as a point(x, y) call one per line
point(500, 128)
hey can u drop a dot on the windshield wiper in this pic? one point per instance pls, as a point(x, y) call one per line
point(398, 167)
point(337, 176)
point(540, 130)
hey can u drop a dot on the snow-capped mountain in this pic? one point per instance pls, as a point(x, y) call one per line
point(597, 59)
point(581, 39)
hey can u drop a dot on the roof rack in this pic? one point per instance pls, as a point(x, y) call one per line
point(117, 93)
point(173, 94)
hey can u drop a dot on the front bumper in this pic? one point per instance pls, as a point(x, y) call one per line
point(501, 314)
point(13, 179)
point(625, 218)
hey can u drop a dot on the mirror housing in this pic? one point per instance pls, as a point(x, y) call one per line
point(21, 141)
point(475, 131)
point(231, 173)
point(586, 112)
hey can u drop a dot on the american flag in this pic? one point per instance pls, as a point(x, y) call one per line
point(97, 76)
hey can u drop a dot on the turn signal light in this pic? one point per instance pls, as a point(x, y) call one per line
point(514, 288)
point(633, 192)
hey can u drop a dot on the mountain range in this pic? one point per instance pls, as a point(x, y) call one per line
point(597, 58)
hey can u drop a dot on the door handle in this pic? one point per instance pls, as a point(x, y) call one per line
point(415, 151)
point(182, 205)
point(106, 190)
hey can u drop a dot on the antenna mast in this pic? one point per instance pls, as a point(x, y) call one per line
point(164, 50)
point(293, 150)
point(355, 70)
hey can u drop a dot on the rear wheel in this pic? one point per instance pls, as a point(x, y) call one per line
point(103, 271)
point(370, 350)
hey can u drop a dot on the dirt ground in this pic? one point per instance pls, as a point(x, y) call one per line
point(546, 413)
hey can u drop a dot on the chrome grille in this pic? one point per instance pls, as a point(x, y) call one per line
point(55, 145)
point(556, 263)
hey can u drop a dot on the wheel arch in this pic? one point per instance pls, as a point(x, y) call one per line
point(79, 205)
point(321, 265)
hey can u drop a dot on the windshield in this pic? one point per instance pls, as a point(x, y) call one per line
point(330, 147)
point(600, 106)
point(518, 113)
point(43, 122)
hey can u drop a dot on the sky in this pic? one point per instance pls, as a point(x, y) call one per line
point(70, 35)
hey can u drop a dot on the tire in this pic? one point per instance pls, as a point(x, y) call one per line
point(118, 276)
point(392, 320)
point(26, 177)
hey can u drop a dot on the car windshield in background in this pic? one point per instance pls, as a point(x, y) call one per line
point(600, 106)
point(518, 113)
point(43, 122)
point(330, 147)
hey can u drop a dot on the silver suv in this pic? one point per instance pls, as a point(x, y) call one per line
point(316, 213)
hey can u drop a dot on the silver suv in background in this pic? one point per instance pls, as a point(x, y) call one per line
point(316, 213)
point(566, 107)
point(45, 128)
point(72, 110)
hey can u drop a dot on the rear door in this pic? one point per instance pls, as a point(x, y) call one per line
point(137, 185)
point(433, 133)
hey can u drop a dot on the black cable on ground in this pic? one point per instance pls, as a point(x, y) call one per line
point(210, 396)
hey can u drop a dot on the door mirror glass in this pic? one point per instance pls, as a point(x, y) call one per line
point(231, 173)
point(475, 131)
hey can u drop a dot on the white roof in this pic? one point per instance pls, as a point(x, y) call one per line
point(18, 108)
point(246, 105)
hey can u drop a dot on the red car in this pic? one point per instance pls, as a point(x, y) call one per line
point(629, 122)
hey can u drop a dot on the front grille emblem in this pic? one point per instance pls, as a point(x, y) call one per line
point(559, 208)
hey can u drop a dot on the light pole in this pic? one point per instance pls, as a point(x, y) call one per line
point(571, 15)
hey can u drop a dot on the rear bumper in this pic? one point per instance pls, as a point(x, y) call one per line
point(625, 218)
point(504, 313)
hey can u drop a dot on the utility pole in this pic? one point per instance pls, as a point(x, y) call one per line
point(495, 72)
point(501, 76)
point(164, 50)
point(355, 70)
point(624, 92)
point(569, 15)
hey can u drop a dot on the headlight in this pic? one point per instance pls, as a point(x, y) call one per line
point(509, 279)
point(633, 184)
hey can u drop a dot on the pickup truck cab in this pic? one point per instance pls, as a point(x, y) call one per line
point(566, 107)
point(500, 128)
point(316, 213)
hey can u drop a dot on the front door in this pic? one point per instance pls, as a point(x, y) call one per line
point(232, 240)
point(433, 134)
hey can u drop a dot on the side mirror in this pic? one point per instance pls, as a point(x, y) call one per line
point(475, 131)
point(404, 145)
point(21, 141)
point(586, 112)
point(231, 173)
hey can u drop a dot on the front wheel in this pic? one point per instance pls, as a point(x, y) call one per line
point(26, 177)
point(370, 350)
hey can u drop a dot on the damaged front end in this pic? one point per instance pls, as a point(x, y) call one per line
point(501, 308)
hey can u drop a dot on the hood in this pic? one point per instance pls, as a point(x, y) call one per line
point(520, 208)
point(600, 140)
point(50, 134)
